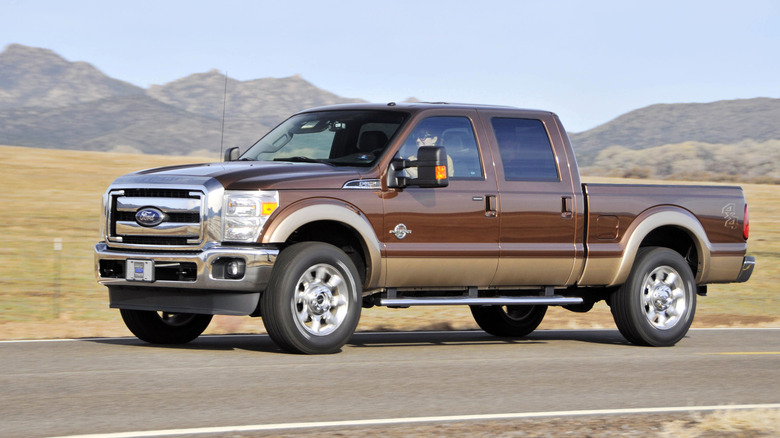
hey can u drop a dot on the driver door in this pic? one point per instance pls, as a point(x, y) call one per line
point(444, 236)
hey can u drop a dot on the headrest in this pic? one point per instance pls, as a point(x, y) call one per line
point(372, 140)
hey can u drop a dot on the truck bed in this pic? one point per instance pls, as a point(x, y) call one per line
point(617, 214)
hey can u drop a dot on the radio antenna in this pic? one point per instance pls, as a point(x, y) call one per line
point(224, 105)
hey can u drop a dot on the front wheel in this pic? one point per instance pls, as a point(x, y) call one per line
point(655, 306)
point(164, 327)
point(508, 321)
point(312, 302)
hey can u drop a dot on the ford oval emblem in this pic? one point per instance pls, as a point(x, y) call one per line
point(149, 217)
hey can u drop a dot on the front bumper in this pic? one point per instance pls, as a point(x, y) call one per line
point(205, 268)
point(748, 263)
point(192, 282)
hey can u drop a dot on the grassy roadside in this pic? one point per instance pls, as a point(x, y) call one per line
point(55, 194)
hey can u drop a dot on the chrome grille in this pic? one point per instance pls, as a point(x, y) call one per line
point(182, 223)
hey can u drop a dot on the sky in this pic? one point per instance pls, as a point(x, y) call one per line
point(588, 61)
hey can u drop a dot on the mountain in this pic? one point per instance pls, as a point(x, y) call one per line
point(47, 101)
point(128, 123)
point(723, 122)
point(31, 76)
point(730, 140)
point(275, 98)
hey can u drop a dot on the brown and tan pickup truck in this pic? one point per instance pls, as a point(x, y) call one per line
point(400, 205)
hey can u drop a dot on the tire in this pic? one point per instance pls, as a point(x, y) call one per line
point(313, 300)
point(656, 305)
point(508, 321)
point(165, 328)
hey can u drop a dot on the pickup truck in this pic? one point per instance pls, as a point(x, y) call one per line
point(399, 205)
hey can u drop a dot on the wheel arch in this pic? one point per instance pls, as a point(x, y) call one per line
point(668, 227)
point(330, 221)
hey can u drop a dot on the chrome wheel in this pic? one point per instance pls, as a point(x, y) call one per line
point(663, 297)
point(320, 304)
point(312, 302)
point(657, 303)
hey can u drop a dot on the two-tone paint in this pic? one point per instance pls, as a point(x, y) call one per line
point(486, 234)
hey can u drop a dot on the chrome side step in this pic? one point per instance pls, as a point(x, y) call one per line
point(552, 300)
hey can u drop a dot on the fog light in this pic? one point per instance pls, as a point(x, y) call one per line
point(235, 269)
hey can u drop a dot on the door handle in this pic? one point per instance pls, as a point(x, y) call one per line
point(566, 210)
point(491, 207)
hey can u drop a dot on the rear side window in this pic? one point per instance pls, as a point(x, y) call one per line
point(525, 150)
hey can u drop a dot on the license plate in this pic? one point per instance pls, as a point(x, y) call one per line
point(139, 270)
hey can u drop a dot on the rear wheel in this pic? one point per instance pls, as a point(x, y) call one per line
point(313, 300)
point(508, 321)
point(657, 303)
point(164, 327)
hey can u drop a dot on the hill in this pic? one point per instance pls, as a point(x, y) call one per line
point(724, 122)
point(273, 98)
point(47, 101)
point(744, 161)
point(33, 77)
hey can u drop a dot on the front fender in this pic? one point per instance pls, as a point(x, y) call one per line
point(283, 223)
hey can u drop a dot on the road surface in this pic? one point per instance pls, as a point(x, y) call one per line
point(95, 386)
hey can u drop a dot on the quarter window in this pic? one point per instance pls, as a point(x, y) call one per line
point(525, 149)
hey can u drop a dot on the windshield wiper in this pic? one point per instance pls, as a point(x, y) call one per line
point(302, 159)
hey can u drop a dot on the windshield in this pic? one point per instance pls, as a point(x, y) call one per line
point(345, 138)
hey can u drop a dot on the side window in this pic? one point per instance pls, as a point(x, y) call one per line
point(457, 136)
point(525, 150)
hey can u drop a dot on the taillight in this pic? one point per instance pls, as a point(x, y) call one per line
point(746, 224)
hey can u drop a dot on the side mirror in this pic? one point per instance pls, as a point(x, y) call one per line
point(231, 154)
point(431, 165)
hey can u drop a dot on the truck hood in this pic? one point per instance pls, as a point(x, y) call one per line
point(251, 175)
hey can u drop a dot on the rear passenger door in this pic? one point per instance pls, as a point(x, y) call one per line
point(538, 224)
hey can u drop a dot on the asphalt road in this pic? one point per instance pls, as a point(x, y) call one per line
point(52, 388)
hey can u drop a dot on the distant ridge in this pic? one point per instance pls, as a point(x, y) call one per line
point(49, 102)
point(274, 97)
point(722, 122)
point(728, 140)
point(31, 76)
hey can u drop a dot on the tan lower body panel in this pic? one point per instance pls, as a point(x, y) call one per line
point(440, 272)
point(480, 272)
point(724, 269)
point(526, 271)
point(599, 271)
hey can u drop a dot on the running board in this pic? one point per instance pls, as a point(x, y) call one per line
point(553, 300)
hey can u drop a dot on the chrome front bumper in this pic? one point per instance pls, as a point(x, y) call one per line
point(259, 263)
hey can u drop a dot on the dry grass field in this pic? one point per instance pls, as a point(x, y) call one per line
point(55, 194)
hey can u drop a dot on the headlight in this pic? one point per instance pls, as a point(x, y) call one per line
point(245, 213)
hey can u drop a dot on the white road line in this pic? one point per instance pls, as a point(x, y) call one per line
point(432, 332)
point(413, 420)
